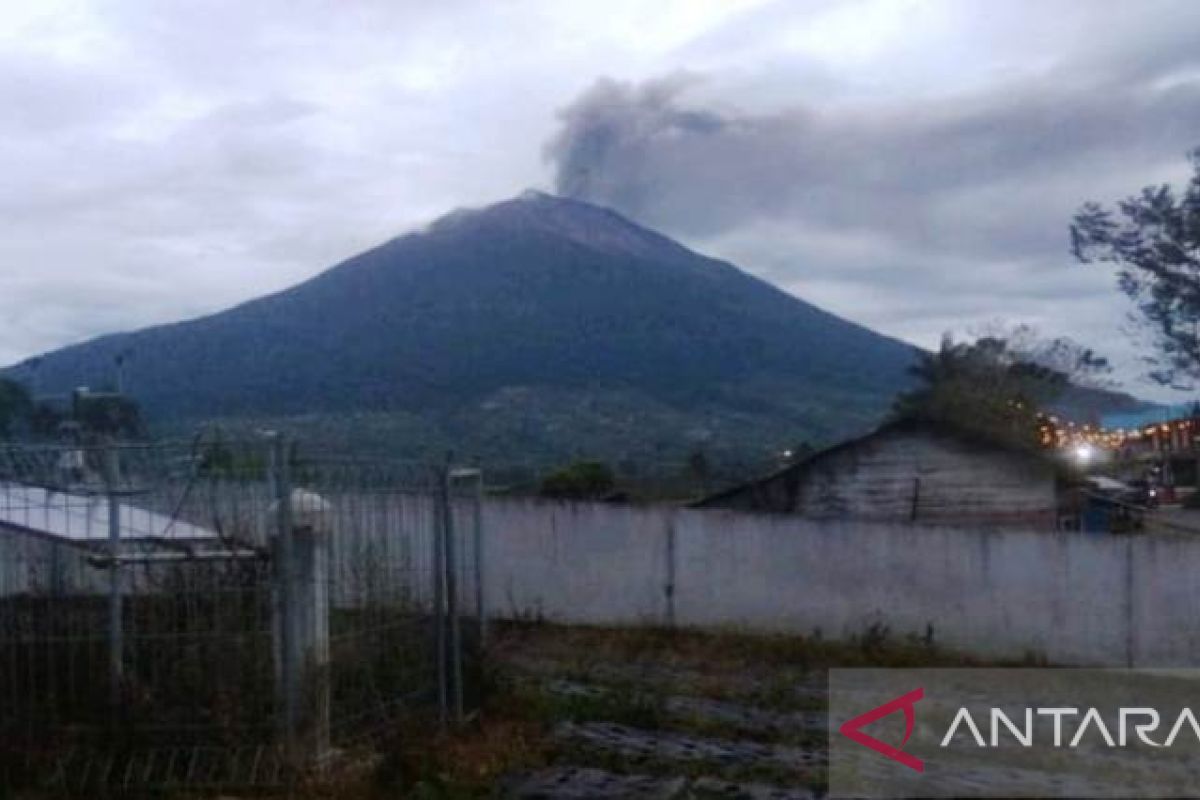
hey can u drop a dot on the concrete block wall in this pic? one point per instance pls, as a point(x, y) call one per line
point(1068, 597)
point(576, 562)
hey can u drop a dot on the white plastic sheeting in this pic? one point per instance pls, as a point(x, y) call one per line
point(83, 518)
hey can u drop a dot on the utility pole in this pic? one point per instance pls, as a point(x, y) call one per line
point(119, 362)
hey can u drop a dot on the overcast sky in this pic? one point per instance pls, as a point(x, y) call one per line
point(910, 165)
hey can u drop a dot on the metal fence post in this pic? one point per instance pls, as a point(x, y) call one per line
point(283, 565)
point(480, 601)
point(116, 601)
point(439, 595)
point(669, 587)
point(475, 476)
point(451, 563)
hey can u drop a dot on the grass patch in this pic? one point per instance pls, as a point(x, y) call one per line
point(463, 763)
point(722, 651)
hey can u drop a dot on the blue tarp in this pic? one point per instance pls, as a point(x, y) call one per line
point(1132, 420)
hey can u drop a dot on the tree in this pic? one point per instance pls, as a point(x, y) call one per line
point(699, 469)
point(1062, 357)
point(1154, 239)
point(583, 480)
point(45, 420)
point(15, 406)
point(109, 415)
point(996, 385)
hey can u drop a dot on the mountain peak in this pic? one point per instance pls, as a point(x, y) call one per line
point(535, 211)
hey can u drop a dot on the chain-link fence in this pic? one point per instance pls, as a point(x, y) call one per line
point(220, 613)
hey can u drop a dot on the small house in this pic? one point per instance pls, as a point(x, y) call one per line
point(912, 471)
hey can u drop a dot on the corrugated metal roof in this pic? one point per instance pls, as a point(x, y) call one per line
point(83, 518)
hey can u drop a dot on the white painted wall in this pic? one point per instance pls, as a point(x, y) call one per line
point(1072, 598)
point(576, 562)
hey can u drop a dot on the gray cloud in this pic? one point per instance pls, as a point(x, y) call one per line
point(914, 214)
point(162, 161)
point(643, 148)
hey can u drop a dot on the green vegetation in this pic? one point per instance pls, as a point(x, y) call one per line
point(647, 446)
point(220, 458)
point(583, 480)
point(15, 406)
point(109, 415)
point(90, 414)
point(997, 385)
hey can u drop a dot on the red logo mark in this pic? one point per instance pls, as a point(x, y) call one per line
point(853, 729)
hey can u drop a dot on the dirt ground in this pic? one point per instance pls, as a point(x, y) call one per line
point(1173, 519)
point(604, 713)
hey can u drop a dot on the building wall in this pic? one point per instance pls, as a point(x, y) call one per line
point(1071, 598)
point(38, 565)
point(907, 475)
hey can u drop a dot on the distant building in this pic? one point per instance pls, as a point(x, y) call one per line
point(1165, 439)
point(912, 471)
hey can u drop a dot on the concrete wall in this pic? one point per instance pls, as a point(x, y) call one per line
point(1072, 598)
point(577, 562)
